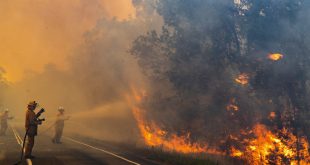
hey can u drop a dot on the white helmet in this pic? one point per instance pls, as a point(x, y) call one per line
point(61, 109)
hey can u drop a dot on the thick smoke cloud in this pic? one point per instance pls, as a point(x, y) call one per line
point(3, 86)
point(188, 69)
point(35, 33)
point(95, 82)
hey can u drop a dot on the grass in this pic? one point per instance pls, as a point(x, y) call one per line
point(172, 158)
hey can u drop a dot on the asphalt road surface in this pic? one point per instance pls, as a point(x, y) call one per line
point(73, 151)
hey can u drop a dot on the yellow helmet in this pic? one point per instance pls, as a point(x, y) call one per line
point(32, 104)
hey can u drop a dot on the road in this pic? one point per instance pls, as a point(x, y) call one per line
point(73, 151)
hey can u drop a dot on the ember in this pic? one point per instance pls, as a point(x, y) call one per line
point(242, 79)
point(232, 105)
point(275, 56)
point(272, 115)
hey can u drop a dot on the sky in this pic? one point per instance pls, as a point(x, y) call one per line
point(34, 33)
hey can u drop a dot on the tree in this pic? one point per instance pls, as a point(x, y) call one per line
point(205, 45)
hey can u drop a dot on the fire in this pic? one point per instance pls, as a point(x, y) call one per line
point(270, 148)
point(272, 115)
point(275, 56)
point(232, 105)
point(257, 146)
point(242, 79)
point(154, 136)
point(235, 152)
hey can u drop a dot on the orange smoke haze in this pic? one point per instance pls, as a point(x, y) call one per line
point(34, 33)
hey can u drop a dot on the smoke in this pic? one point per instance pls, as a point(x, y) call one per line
point(188, 68)
point(2, 155)
point(98, 72)
point(35, 33)
point(192, 66)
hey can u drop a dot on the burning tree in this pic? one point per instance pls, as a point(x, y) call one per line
point(212, 52)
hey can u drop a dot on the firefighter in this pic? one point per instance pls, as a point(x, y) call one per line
point(31, 125)
point(59, 125)
point(4, 122)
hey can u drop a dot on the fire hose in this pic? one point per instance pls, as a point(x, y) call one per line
point(51, 126)
point(22, 152)
point(48, 128)
point(25, 136)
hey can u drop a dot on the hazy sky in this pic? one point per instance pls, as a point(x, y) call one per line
point(36, 32)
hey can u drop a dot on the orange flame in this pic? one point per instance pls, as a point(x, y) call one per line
point(242, 79)
point(272, 115)
point(232, 105)
point(269, 148)
point(275, 56)
point(235, 152)
point(154, 136)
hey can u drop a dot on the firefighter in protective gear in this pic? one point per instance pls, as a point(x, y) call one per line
point(31, 125)
point(59, 125)
point(4, 121)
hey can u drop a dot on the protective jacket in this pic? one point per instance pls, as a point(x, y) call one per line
point(4, 120)
point(31, 123)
